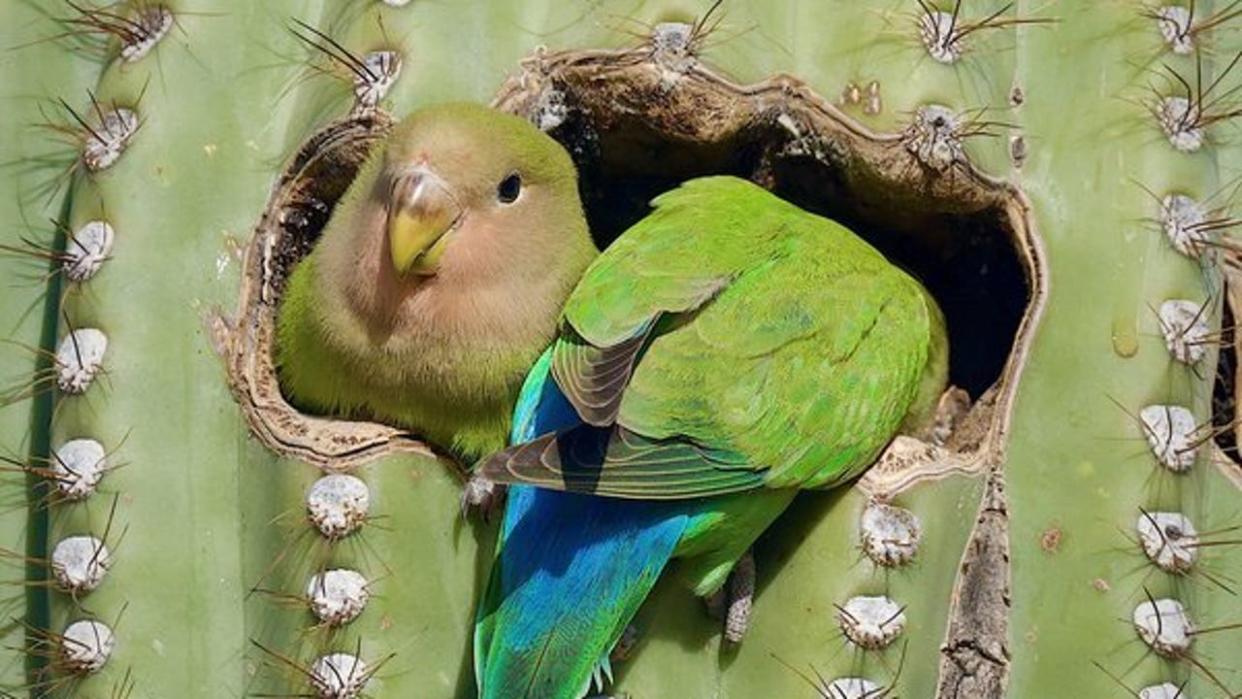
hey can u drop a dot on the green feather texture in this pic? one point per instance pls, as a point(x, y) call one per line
point(718, 334)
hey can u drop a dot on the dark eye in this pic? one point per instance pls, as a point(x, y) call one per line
point(509, 188)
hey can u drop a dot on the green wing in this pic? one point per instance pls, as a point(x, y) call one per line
point(729, 341)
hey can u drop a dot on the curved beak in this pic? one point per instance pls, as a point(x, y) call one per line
point(421, 215)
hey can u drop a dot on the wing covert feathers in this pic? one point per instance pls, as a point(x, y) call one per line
point(594, 378)
point(615, 462)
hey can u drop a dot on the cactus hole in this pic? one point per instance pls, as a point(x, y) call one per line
point(637, 126)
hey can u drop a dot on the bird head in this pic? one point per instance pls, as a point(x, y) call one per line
point(462, 210)
point(471, 192)
point(439, 278)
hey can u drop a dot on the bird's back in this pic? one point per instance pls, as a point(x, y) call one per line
point(808, 353)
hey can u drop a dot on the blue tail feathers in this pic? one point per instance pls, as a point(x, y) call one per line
point(570, 572)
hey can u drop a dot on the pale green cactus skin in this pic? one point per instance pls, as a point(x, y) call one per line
point(1084, 204)
point(210, 543)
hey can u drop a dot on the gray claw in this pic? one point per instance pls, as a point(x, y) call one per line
point(482, 495)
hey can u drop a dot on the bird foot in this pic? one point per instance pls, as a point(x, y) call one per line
point(732, 602)
point(741, 595)
point(482, 495)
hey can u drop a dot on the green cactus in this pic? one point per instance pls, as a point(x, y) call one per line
point(1060, 176)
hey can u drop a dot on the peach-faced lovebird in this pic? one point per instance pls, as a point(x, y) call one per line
point(438, 280)
point(726, 351)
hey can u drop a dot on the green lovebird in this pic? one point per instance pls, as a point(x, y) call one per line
point(726, 351)
point(438, 279)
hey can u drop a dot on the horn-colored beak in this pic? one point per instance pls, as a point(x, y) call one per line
point(421, 215)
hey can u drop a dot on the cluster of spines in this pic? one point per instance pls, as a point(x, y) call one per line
point(936, 135)
point(889, 537)
point(1169, 540)
point(338, 505)
point(370, 75)
point(79, 563)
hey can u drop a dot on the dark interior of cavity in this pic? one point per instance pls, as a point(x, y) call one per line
point(968, 262)
point(323, 170)
point(1224, 401)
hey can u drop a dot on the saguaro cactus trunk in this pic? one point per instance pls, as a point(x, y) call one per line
point(1061, 176)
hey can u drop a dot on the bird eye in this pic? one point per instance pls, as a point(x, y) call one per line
point(509, 188)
